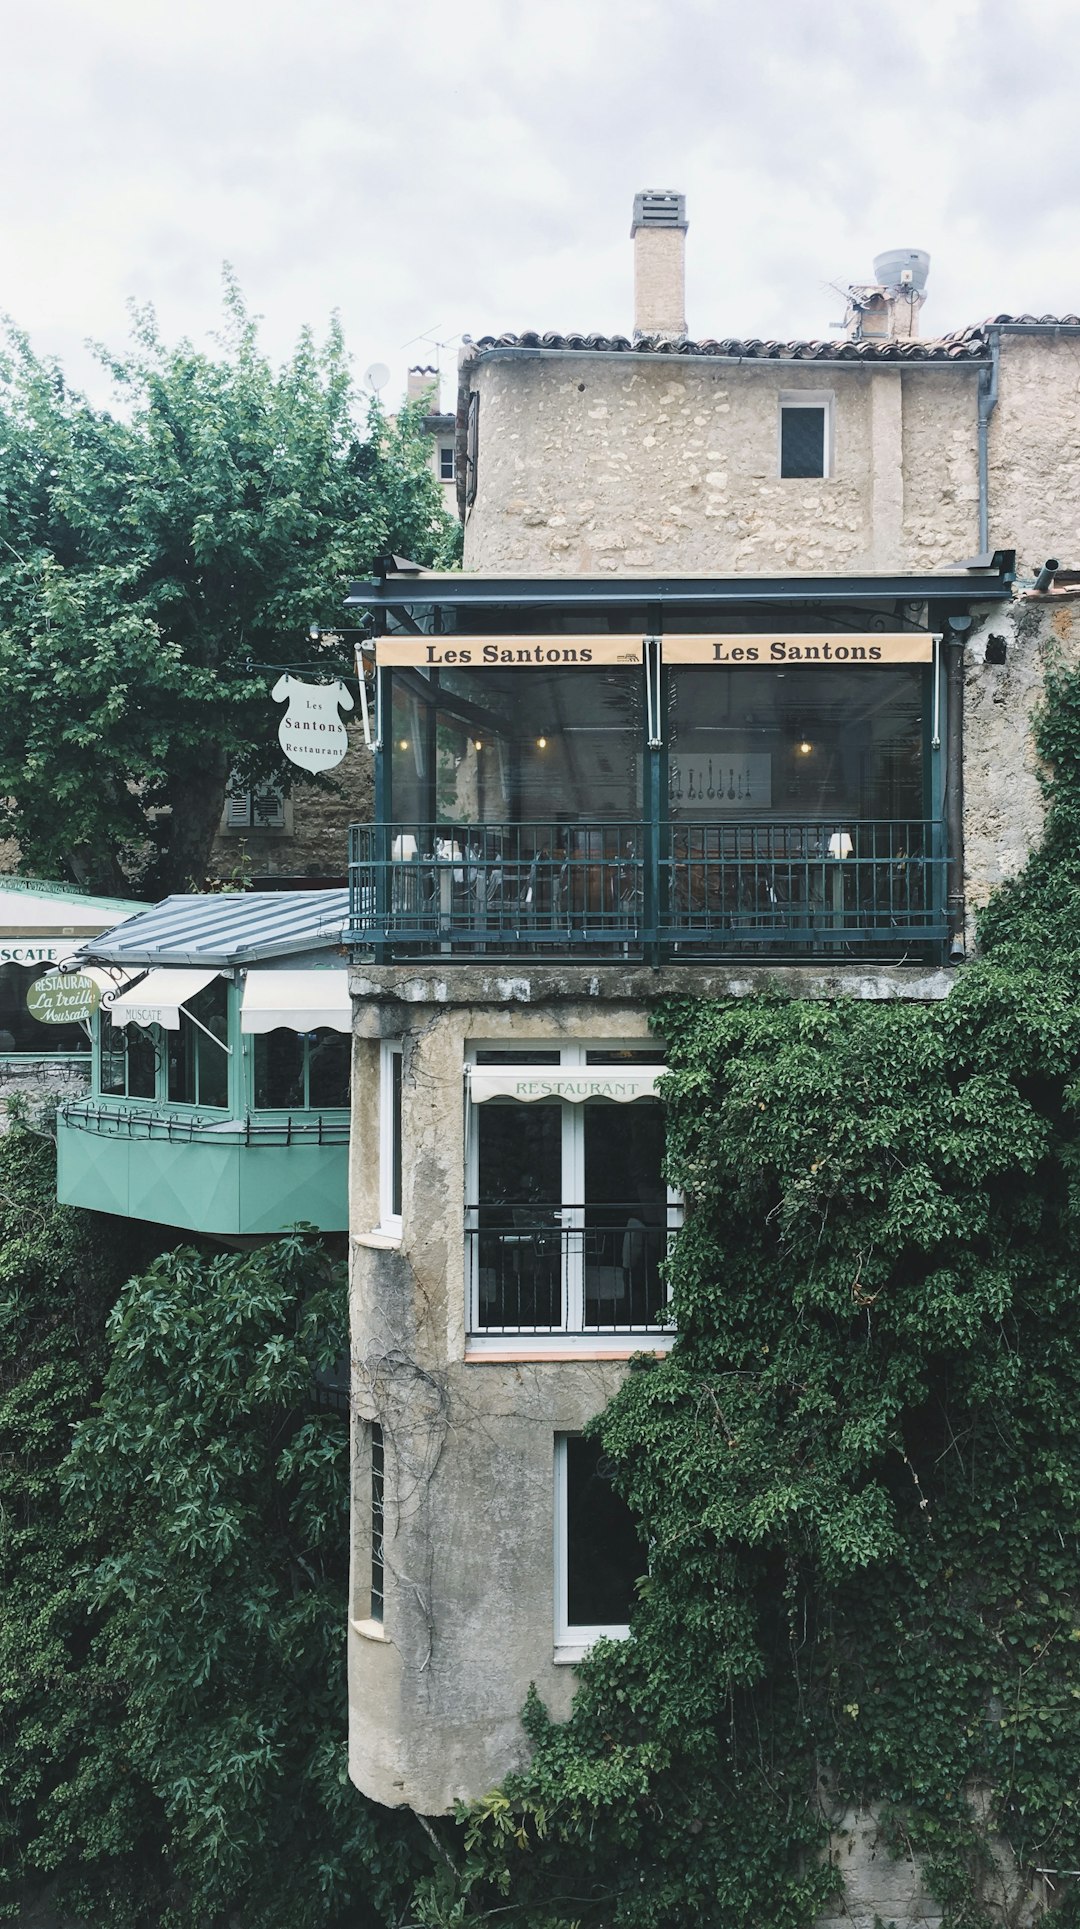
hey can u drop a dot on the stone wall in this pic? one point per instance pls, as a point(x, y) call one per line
point(1035, 450)
point(1004, 806)
point(601, 464)
point(315, 841)
point(40, 1083)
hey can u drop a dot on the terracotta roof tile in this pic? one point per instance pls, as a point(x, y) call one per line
point(968, 344)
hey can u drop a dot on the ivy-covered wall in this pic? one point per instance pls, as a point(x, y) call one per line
point(858, 1472)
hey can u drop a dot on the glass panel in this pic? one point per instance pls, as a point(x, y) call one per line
point(516, 746)
point(523, 1057)
point(802, 442)
point(519, 1242)
point(19, 1030)
point(625, 1213)
point(329, 1054)
point(604, 1555)
point(141, 1060)
point(279, 1070)
point(199, 1068)
point(113, 1060)
point(793, 744)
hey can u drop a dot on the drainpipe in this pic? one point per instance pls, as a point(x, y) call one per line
point(988, 395)
point(956, 631)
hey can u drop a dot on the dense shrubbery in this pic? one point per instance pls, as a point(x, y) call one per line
point(859, 1470)
point(172, 1686)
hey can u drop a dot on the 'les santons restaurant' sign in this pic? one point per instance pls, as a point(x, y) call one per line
point(758, 650)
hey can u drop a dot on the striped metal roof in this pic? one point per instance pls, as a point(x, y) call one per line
point(224, 928)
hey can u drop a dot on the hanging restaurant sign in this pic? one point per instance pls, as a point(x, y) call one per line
point(762, 651)
point(63, 998)
point(311, 732)
point(507, 652)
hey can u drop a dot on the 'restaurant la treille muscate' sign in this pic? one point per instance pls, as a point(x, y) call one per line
point(63, 998)
point(758, 650)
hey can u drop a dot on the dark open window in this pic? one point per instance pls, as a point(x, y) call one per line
point(602, 1553)
point(802, 441)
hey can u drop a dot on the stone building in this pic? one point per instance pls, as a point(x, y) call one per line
point(735, 690)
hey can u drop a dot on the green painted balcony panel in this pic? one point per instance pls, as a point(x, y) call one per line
point(234, 1177)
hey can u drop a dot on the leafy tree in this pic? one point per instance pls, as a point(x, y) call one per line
point(858, 1471)
point(149, 553)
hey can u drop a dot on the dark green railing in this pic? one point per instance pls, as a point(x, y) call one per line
point(676, 890)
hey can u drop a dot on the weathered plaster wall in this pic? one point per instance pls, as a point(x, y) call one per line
point(1003, 800)
point(1034, 450)
point(436, 1694)
point(596, 464)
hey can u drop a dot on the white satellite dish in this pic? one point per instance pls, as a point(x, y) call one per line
point(376, 377)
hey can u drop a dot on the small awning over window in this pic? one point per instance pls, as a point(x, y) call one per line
point(573, 1082)
point(157, 998)
point(296, 1001)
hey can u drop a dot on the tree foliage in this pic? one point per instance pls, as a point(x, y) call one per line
point(172, 1651)
point(150, 552)
point(858, 1471)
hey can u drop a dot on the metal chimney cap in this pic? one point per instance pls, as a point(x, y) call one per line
point(659, 208)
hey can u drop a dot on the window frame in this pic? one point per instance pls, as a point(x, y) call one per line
point(572, 1639)
point(391, 1121)
point(823, 399)
point(307, 1039)
point(156, 1038)
point(447, 470)
point(572, 1333)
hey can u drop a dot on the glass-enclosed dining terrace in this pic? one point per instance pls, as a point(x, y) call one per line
point(664, 770)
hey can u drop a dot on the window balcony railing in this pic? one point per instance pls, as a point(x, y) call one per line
point(568, 1269)
point(680, 890)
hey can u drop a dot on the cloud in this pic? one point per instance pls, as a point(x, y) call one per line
point(437, 168)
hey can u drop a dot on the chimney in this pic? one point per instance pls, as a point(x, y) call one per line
point(887, 308)
point(422, 384)
point(658, 232)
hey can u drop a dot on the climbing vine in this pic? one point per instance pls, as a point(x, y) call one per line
point(858, 1471)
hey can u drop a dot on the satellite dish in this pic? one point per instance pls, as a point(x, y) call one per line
point(376, 377)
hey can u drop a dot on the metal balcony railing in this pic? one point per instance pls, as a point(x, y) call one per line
point(675, 890)
point(117, 1121)
point(567, 1269)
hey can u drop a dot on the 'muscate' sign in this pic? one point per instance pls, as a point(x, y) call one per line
point(762, 651)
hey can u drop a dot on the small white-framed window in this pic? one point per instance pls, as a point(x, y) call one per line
point(447, 470)
point(806, 434)
point(599, 1554)
point(390, 1158)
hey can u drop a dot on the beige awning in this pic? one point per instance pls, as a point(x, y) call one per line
point(296, 1001)
point(574, 1083)
point(157, 998)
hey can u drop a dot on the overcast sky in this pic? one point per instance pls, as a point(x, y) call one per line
point(445, 168)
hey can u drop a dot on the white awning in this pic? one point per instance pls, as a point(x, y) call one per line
point(157, 998)
point(296, 1000)
point(575, 1083)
